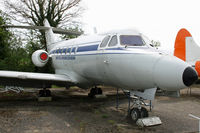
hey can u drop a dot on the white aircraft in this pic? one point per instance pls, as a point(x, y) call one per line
point(122, 59)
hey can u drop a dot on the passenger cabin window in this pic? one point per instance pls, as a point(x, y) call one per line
point(105, 41)
point(69, 50)
point(113, 41)
point(73, 50)
point(131, 40)
point(57, 51)
point(60, 51)
point(64, 51)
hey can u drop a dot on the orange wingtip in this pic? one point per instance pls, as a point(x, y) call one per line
point(179, 47)
point(197, 67)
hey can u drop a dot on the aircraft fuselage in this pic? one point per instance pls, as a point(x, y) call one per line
point(122, 66)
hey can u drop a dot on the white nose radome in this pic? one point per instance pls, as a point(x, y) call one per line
point(172, 73)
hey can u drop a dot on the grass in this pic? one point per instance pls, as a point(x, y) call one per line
point(96, 111)
point(82, 126)
point(55, 86)
point(105, 116)
point(111, 122)
point(8, 94)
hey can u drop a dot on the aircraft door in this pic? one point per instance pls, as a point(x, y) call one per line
point(102, 59)
point(108, 59)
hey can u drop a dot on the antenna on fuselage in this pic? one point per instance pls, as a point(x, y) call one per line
point(95, 30)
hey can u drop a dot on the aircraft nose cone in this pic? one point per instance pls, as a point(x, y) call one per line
point(189, 76)
point(171, 73)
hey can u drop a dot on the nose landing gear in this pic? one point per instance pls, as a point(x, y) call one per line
point(136, 109)
point(136, 113)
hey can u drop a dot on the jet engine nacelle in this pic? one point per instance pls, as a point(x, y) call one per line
point(40, 58)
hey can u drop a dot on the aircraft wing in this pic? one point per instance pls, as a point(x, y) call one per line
point(37, 80)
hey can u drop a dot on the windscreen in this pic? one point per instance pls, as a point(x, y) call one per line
point(131, 40)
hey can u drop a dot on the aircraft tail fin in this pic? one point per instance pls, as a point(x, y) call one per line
point(50, 37)
point(180, 44)
point(186, 49)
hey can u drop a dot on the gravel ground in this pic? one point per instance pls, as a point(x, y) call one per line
point(71, 111)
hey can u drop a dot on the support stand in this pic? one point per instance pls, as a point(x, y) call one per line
point(195, 117)
point(117, 99)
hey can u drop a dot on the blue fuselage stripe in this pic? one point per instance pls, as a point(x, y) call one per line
point(87, 48)
point(114, 49)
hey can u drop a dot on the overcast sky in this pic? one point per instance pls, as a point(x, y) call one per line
point(157, 19)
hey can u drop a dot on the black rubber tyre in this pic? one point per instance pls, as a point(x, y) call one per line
point(144, 113)
point(99, 91)
point(48, 93)
point(92, 93)
point(44, 93)
point(41, 93)
point(134, 114)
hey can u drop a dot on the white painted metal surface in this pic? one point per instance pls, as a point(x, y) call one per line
point(12, 88)
point(148, 94)
point(149, 121)
point(35, 76)
point(36, 59)
point(192, 51)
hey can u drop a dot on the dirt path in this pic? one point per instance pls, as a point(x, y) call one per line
point(71, 111)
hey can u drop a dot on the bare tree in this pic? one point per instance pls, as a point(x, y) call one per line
point(33, 12)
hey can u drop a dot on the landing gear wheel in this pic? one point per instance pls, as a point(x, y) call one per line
point(144, 113)
point(48, 93)
point(99, 91)
point(94, 91)
point(135, 114)
point(44, 93)
point(91, 95)
point(41, 93)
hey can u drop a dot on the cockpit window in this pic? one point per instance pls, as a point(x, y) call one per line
point(131, 40)
point(105, 41)
point(113, 41)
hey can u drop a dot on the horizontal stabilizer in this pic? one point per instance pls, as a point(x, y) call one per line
point(55, 30)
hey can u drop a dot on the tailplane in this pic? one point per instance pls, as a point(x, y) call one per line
point(49, 32)
point(187, 50)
